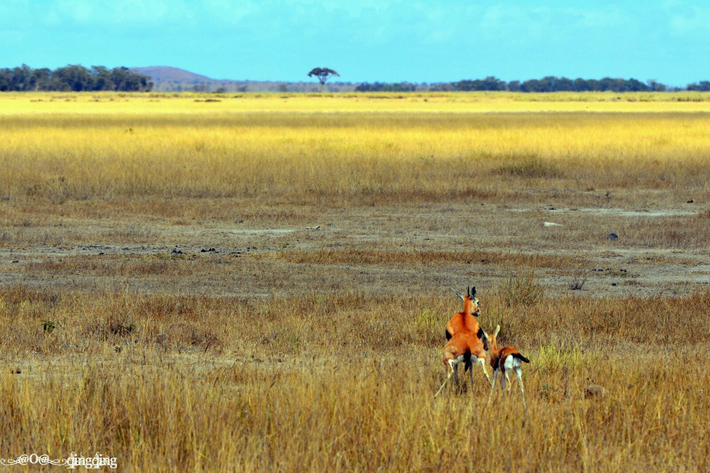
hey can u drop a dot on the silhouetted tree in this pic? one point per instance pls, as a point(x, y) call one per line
point(102, 78)
point(564, 84)
point(582, 85)
point(40, 79)
point(633, 85)
point(21, 77)
point(489, 83)
point(702, 86)
point(514, 86)
point(532, 85)
point(384, 87)
point(323, 74)
point(656, 86)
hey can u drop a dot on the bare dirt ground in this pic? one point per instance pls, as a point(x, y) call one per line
point(384, 247)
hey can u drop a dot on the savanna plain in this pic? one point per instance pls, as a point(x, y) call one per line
point(262, 282)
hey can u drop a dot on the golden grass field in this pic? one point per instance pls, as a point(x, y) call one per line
point(261, 282)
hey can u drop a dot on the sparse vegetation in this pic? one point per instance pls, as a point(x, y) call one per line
point(523, 289)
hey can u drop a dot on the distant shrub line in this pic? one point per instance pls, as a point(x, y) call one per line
point(546, 84)
point(73, 78)
point(76, 78)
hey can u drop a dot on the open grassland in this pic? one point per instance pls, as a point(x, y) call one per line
point(221, 283)
point(351, 156)
point(181, 148)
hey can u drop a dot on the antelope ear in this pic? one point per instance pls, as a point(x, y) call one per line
point(468, 291)
point(457, 293)
point(495, 334)
point(473, 293)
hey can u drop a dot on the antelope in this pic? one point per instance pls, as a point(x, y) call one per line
point(465, 339)
point(470, 306)
point(503, 360)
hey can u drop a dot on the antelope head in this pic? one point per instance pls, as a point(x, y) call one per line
point(470, 300)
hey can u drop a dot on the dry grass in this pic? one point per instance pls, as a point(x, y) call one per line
point(403, 155)
point(345, 382)
point(282, 347)
point(378, 256)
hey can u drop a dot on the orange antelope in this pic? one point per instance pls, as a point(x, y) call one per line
point(503, 360)
point(470, 306)
point(466, 339)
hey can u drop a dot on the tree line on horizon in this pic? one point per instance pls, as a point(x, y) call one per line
point(76, 78)
point(546, 84)
point(73, 78)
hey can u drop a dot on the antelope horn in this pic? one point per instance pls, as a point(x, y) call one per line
point(457, 293)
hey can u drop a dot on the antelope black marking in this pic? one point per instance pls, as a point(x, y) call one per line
point(520, 357)
point(483, 337)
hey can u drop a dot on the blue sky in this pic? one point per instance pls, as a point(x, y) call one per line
point(367, 40)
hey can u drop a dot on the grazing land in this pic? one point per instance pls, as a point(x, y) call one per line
point(262, 282)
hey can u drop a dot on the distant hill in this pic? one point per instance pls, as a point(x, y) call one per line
point(167, 73)
point(172, 79)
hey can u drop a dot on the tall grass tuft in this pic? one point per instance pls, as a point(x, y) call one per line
point(523, 288)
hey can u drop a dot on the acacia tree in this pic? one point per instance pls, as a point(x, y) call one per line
point(323, 74)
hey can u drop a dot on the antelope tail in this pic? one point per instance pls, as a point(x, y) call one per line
point(520, 357)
